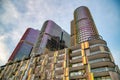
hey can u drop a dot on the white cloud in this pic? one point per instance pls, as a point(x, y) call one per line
point(3, 50)
point(10, 14)
point(8, 32)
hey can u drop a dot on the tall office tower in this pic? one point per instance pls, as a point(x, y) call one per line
point(83, 27)
point(51, 37)
point(94, 60)
point(25, 45)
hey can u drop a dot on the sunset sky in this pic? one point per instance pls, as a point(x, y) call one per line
point(17, 15)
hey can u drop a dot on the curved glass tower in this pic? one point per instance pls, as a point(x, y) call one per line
point(84, 25)
point(94, 53)
point(25, 45)
point(52, 37)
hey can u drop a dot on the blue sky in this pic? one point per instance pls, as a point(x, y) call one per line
point(17, 15)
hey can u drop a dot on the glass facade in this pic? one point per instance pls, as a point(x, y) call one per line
point(80, 72)
point(32, 36)
point(25, 45)
point(103, 78)
point(24, 51)
point(99, 60)
point(102, 69)
point(52, 37)
point(84, 24)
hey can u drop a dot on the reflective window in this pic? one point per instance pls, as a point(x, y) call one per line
point(103, 78)
point(54, 38)
point(102, 69)
point(99, 60)
point(81, 72)
point(24, 50)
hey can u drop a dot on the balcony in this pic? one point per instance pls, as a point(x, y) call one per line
point(97, 45)
point(99, 60)
point(77, 64)
point(77, 68)
point(76, 53)
point(76, 57)
point(99, 52)
point(101, 74)
point(102, 64)
point(98, 55)
point(97, 41)
point(102, 69)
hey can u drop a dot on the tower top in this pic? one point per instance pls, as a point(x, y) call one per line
point(82, 12)
point(84, 26)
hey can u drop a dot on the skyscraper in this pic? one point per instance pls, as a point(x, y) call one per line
point(25, 45)
point(52, 37)
point(95, 55)
point(83, 26)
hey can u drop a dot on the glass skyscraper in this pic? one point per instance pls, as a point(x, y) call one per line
point(83, 26)
point(25, 45)
point(52, 37)
point(94, 58)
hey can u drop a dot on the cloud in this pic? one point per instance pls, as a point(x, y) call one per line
point(9, 14)
point(3, 50)
point(14, 21)
point(8, 33)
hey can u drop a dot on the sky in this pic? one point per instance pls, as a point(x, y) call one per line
point(17, 15)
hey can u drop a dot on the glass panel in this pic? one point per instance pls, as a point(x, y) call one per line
point(102, 69)
point(81, 72)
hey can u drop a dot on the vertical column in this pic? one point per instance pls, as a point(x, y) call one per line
point(85, 46)
point(3, 71)
point(73, 33)
point(31, 69)
point(18, 71)
point(43, 67)
point(53, 65)
point(11, 73)
point(23, 68)
point(65, 65)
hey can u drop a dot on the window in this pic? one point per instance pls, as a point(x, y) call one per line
point(81, 72)
point(103, 78)
point(102, 69)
